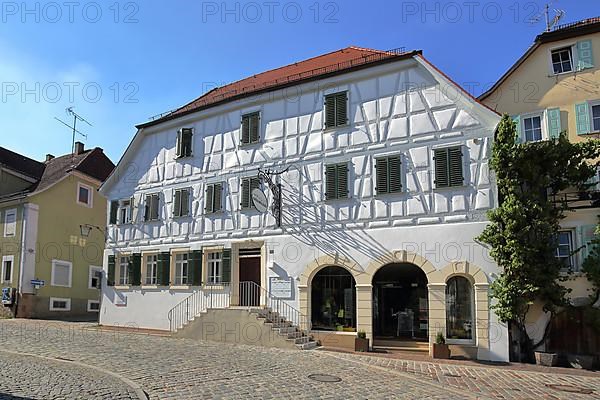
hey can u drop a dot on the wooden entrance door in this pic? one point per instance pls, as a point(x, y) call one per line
point(250, 272)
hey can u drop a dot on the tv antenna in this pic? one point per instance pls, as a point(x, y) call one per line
point(76, 117)
point(558, 15)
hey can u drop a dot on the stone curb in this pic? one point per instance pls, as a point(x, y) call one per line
point(139, 392)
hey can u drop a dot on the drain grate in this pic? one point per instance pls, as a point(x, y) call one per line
point(570, 389)
point(324, 378)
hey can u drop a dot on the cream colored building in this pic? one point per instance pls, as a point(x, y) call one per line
point(555, 87)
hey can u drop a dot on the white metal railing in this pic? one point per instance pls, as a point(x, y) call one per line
point(253, 295)
point(208, 297)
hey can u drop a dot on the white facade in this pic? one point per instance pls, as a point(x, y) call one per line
point(404, 108)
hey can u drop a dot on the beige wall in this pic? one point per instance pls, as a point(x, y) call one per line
point(532, 87)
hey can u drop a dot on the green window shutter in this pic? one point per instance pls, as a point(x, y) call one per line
point(441, 163)
point(585, 55)
point(131, 210)
point(195, 267)
point(342, 181)
point(210, 192)
point(455, 166)
point(329, 111)
point(554, 124)
point(582, 117)
point(163, 269)
point(245, 193)
point(177, 203)
point(110, 280)
point(394, 174)
point(517, 120)
point(382, 176)
point(226, 265)
point(254, 128)
point(114, 208)
point(185, 202)
point(245, 139)
point(217, 193)
point(330, 182)
point(341, 109)
point(135, 269)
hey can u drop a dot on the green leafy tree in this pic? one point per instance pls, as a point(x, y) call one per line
point(523, 229)
point(591, 266)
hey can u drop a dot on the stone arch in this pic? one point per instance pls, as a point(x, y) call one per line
point(466, 269)
point(400, 257)
point(329, 261)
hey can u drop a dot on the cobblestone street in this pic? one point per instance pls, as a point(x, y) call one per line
point(67, 361)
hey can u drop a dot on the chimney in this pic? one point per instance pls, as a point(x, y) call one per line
point(79, 148)
point(49, 157)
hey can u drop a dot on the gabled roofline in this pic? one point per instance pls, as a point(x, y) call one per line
point(563, 32)
point(391, 58)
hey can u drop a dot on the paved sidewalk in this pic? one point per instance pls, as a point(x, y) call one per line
point(495, 382)
point(168, 368)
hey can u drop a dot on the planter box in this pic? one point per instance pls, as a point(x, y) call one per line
point(361, 345)
point(441, 351)
point(580, 361)
point(546, 359)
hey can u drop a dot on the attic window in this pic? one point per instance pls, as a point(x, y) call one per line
point(562, 60)
point(84, 195)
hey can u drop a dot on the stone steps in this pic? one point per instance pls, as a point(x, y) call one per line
point(285, 328)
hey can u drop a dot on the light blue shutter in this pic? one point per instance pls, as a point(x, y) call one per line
point(582, 116)
point(585, 236)
point(517, 120)
point(554, 126)
point(585, 55)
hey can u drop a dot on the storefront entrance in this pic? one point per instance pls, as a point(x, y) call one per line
point(400, 309)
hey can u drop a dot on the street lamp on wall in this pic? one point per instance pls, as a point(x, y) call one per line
point(87, 229)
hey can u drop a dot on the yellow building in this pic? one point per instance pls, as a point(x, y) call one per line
point(555, 87)
point(51, 243)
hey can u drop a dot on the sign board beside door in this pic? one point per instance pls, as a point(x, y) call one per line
point(281, 288)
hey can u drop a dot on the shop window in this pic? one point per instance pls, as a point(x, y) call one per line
point(333, 299)
point(459, 308)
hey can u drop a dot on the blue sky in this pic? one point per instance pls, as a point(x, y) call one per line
point(119, 62)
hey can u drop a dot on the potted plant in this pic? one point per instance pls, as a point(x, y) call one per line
point(440, 348)
point(361, 343)
point(546, 359)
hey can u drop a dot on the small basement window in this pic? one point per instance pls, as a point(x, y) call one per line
point(93, 306)
point(60, 304)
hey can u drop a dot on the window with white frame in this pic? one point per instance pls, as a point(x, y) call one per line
point(95, 277)
point(595, 110)
point(10, 222)
point(181, 269)
point(215, 267)
point(152, 269)
point(124, 266)
point(562, 60)
point(93, 306)
point(7, 268)
point(84, 195)
point(60, 304)
point(532, 128)
point(61, 273)
point(564, 249)
point(124, 212)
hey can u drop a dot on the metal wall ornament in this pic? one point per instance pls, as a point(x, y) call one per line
point(270, 177)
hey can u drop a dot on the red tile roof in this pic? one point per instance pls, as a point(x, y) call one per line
point(316, 67)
